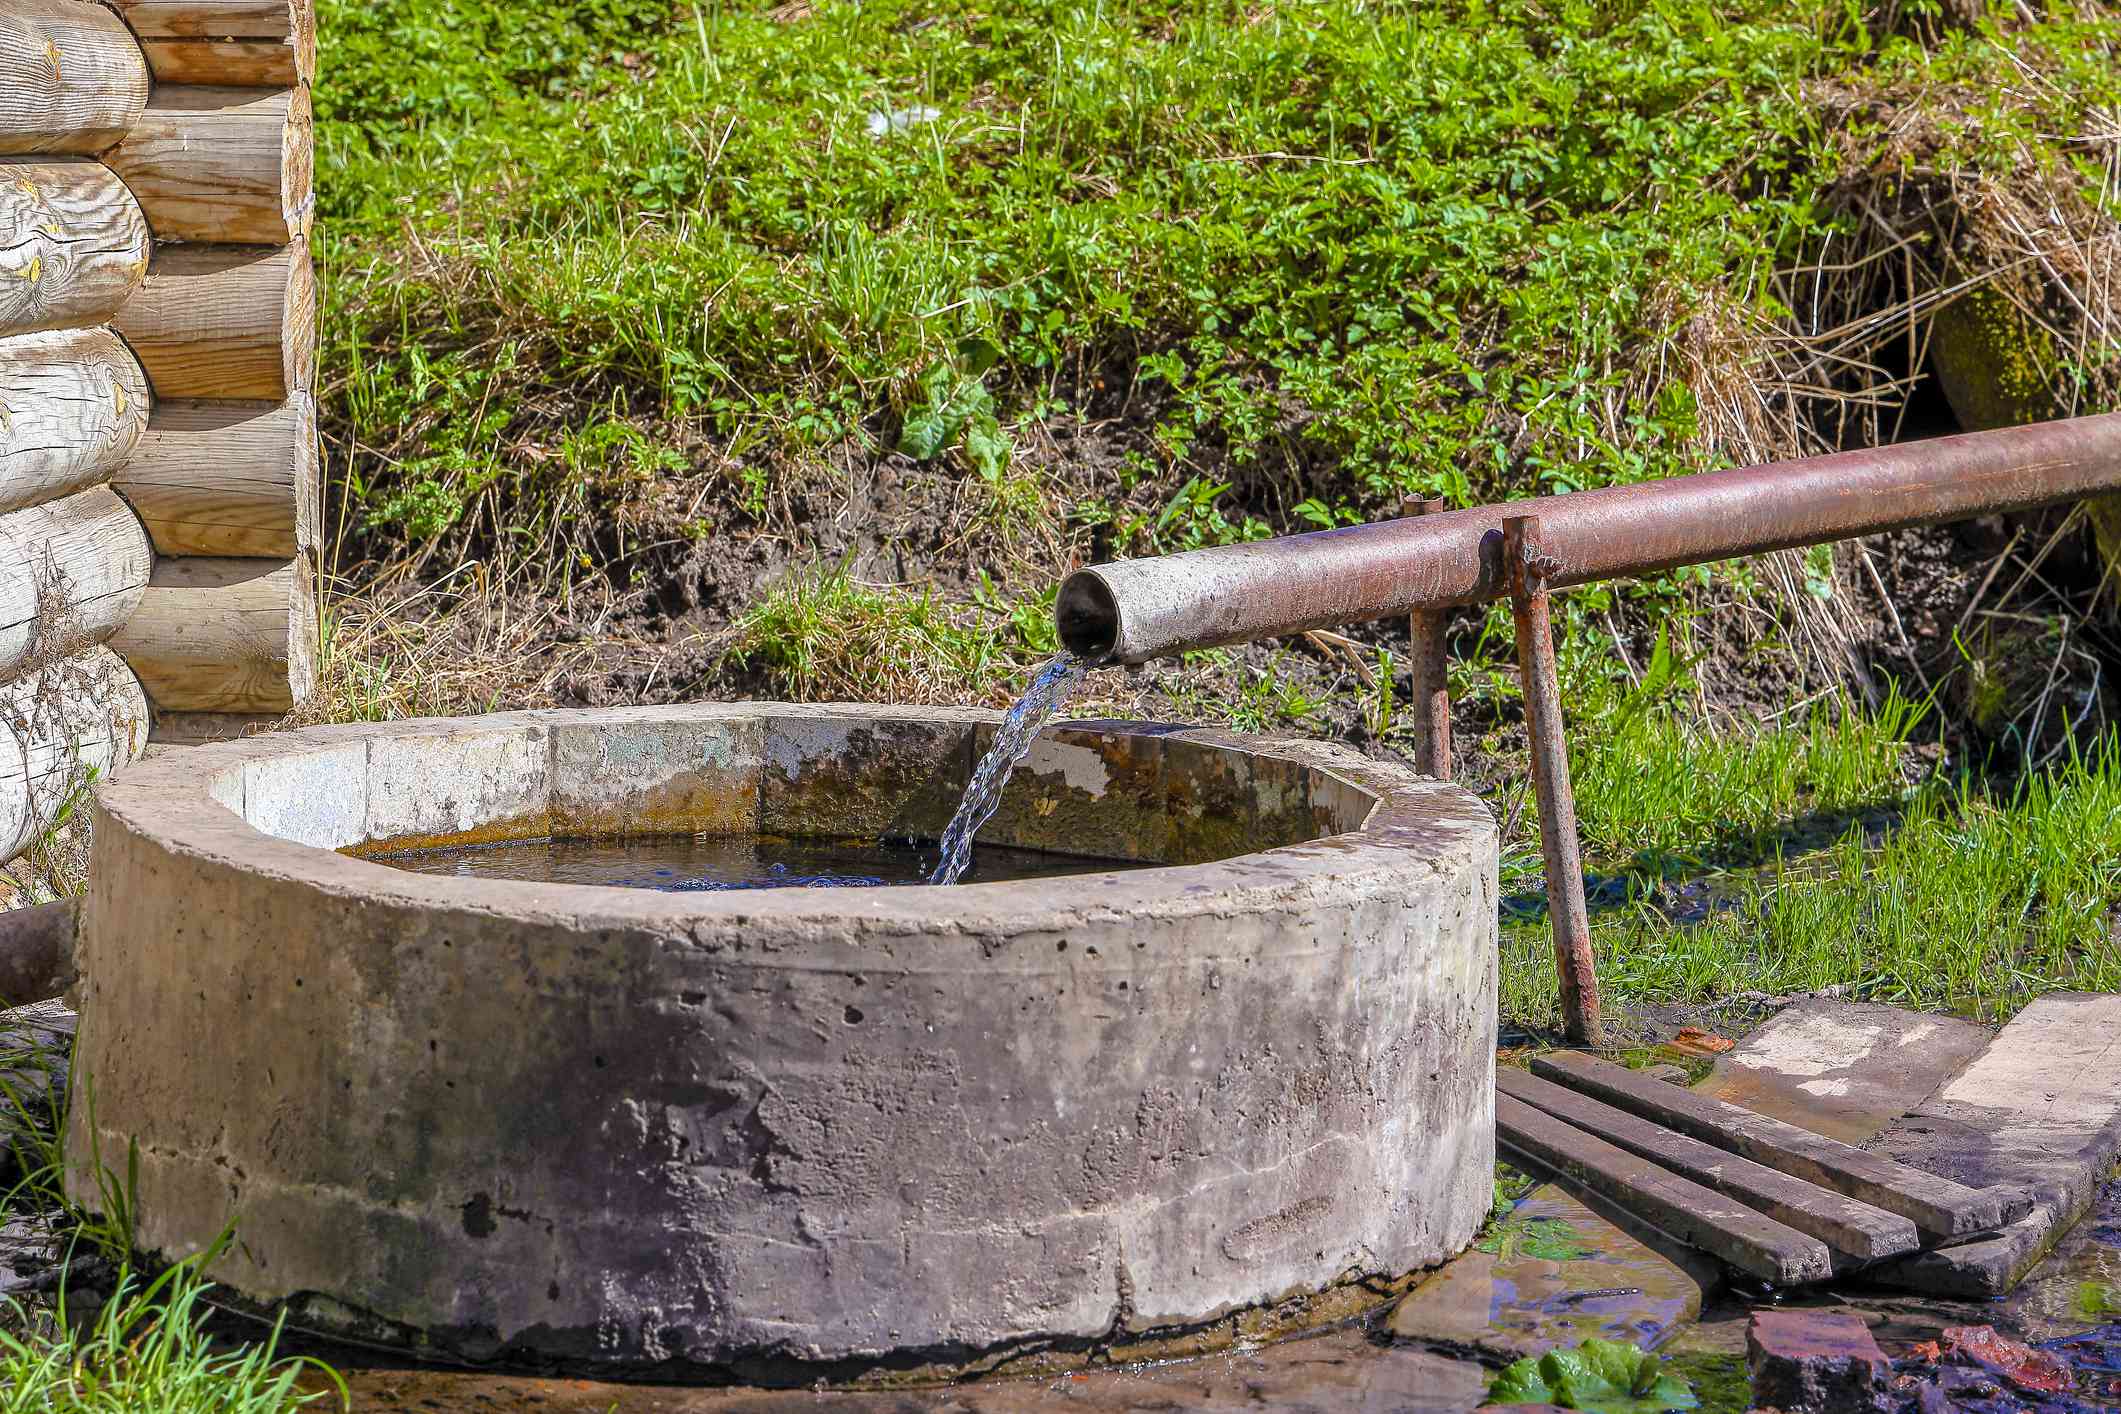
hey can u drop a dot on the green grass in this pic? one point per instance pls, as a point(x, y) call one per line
point(1961, 895)
point(1408, 219)
point(628, 275)
point(827, 637)
point(137, 1343)
point(1665, 791)
point(1346, 250)
point(145, 1350)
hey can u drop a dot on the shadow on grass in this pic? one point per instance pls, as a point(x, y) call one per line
point(1688, 887)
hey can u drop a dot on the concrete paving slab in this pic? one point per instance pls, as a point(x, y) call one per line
point(1553, 1274)
point(2078, 1283)
point(2040, 1111)
point(1844, 1069)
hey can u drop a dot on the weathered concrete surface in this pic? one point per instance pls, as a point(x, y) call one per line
point(1555, 1273)
point(2039, 1110)
point(1817, 1362)
point(668, 1130)
point(1844, 1069)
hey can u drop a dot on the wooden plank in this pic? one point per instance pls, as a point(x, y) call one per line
point(72, 78)
point(71, 571)
point(236, 322)
point(215, 635)
point(1939, 1207)
point(1856, 1232)
point(63, 726)
point(73, 404)
point(1694, 1215)
point(73, 244)
point(230, 165)
point(228, 479)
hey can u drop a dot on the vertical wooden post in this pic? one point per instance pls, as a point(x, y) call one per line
point(1550, 778)
point(1431, 674)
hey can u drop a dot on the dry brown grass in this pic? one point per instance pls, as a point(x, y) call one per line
point(475, 640)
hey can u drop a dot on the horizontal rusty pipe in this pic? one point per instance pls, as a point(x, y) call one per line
point(1136, 610)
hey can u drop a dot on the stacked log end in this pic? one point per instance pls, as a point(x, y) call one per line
point(64, 726)
point(228, 479)
point(74, 245)
point(225, 476)
point(71, 571)
point(158, 445)
point(252, 43)
point(217, 321)
point(75, 79)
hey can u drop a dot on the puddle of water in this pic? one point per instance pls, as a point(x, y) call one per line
point(1348, 1368)
point(2078, 1285)
point(1553, 1273)
point(705, 863)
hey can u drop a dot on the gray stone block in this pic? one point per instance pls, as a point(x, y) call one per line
point(2039, 1114)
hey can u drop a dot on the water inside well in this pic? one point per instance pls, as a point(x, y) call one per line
point(701, 863)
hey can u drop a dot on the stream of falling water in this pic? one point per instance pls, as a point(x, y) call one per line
point(1049, 690)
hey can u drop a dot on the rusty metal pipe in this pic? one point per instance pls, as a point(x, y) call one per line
point(1429, 670)
point(1525, 557)
point(1136, 610)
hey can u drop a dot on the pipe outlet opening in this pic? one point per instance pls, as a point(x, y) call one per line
point(1086, 614)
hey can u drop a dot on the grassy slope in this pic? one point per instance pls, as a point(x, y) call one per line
point(619, 288)
point(1427, 245)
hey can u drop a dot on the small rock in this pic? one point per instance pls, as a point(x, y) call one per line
point(884, 124)
point(1698, 1041)
point(1670, 1074)
point(2030, 1370)
point(1816, 1362)
point(26, 1254)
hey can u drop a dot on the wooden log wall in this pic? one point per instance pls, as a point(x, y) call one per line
point(158, 433)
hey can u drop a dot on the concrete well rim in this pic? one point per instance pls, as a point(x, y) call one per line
point(175, 801)
point(873, 1093)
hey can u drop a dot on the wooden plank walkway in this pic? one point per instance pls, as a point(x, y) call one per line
point(1698, 1216)
point(1937, 1206)
point(1856, 1233)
